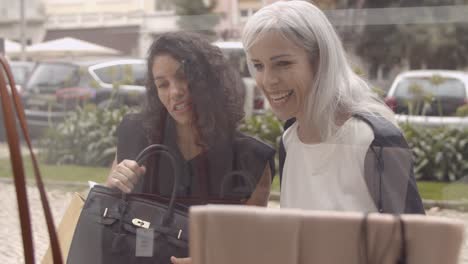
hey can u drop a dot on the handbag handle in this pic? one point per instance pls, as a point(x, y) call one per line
point(234, 173)
point(161, 149)
point(403, 259)
point(403, 256)
point(18, 169)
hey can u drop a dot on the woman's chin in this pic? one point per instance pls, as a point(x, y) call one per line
point(282, 114)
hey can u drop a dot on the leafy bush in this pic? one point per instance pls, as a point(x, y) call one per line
point(86, 137)
point(440, 154)
point(462, 111)
point(265, 127)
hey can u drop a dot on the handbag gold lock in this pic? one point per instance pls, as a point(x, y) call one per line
point(140, 223)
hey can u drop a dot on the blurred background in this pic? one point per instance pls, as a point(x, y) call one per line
point(80, 66)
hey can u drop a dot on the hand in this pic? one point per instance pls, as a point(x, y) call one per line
point(175, 260)
point(124, 176)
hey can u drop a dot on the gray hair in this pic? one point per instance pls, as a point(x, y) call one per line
point(336, 88)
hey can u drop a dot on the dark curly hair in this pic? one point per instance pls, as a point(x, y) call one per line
point(216, 89)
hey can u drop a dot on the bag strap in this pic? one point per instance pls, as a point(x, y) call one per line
point(161, 149)
point(403, 258)
point(17, 166)
point(364, 242)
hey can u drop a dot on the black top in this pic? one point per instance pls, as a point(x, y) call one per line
point(243, 154)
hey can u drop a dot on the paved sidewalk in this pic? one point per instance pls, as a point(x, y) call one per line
point(11, 247)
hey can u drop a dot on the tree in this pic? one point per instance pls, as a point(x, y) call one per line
point(379, 44)
point(430, 45)
point(197, 15)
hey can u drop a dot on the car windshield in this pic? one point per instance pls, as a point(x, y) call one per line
point(430, 86)
point(127, 74)
point(50, 77)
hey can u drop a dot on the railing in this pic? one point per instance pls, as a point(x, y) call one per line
point(434, 121)
point(83, 20)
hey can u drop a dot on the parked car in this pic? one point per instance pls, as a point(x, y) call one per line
point(429, 97)
point(55, 88)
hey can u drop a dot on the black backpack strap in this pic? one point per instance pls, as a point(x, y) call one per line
point(387, 135)
point(377, 150)
point(282, 150)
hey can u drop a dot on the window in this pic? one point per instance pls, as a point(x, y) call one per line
point(110, 74)
point(123, 74)
point(164, 5)
point(82, 126)
point(244, 12)
point(448, 87)
point(48, 77)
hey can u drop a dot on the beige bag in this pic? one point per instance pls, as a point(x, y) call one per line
point(233, 234)
point(66, 228)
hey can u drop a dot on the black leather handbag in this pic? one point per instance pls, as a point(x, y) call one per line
point(115, 227)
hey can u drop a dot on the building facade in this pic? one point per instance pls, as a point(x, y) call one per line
point(126, 25)
point(10, 20)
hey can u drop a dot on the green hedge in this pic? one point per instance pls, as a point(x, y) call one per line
point(265, 127)
point(441, 154)
point(87, 137)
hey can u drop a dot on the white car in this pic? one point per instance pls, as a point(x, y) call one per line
point(429, 97)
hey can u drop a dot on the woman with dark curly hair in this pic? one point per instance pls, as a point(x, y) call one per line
point(194, 103)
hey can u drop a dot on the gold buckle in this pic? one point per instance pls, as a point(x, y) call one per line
point(140, 223)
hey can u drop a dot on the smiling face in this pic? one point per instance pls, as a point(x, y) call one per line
point(172, 88)
point(284, 73)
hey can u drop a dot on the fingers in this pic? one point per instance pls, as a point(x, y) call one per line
point(126, 171)
point(175, 260)
point(125, 175)
point(121, 186)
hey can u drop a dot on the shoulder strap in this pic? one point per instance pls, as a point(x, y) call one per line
point(18, 171)
point(376, 147)
point(386, 134)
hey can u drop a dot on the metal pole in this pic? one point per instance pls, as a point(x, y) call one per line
point(2, 46)
point(235, 13)
point(22, 30)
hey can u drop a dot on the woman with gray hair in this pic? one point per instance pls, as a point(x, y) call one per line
point(344, 149)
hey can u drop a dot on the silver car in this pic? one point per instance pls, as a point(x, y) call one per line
point(55, 88)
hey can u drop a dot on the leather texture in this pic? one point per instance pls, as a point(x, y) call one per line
point(108, 226)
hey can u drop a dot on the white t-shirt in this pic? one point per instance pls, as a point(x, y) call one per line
point(328, 175)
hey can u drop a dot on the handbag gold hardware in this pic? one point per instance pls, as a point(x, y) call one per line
point(140, 223)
